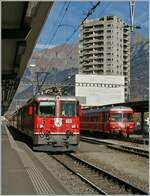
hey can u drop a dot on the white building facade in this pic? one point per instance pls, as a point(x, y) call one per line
point(96, 90)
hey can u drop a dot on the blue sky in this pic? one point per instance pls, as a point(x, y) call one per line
point(77, 11)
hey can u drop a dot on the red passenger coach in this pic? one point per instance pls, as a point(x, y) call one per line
point(51, 122)
point(116, 119)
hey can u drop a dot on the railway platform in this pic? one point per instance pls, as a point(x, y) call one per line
point(15, 180)
point(22, 172)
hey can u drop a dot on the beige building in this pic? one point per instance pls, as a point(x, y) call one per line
point(104, 48)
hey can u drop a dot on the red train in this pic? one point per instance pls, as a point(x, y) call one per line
point(52, 122)
point(116, 119)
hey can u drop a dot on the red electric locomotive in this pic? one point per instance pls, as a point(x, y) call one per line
point(116, 119)
point(52, 122)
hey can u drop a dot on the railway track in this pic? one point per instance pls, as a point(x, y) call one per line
point(133, 150)
point(100, 180)
point(129, 149)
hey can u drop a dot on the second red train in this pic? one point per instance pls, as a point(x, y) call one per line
point(117, 119)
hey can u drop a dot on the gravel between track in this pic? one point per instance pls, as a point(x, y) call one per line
point(73, 183)
point(131, 168)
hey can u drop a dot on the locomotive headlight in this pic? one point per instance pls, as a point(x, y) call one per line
point(40, 126)
point(74, 126)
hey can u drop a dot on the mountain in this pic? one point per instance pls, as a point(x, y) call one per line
point(58, 63)
point(139, 67)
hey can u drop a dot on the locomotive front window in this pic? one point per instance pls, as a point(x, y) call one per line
point(116, 117)
point(68, 108)
point(46, 108)
point(127, 117)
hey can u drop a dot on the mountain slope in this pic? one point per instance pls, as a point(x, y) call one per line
point(62, 61)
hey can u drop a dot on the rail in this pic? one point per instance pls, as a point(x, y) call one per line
point(129, 149)
point(99, 179)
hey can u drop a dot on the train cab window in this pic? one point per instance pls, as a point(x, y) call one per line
point(116, 117)
point(127, 117)
point(46, 108)
point(68, 108)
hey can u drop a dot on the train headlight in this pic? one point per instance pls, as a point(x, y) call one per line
point(74, 126)
point(40, 126)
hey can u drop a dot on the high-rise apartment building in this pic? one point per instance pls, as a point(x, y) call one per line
point(105, 48)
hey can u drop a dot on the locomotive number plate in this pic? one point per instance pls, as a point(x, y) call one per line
point(68, 120)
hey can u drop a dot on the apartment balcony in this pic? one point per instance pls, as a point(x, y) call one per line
point(88, 36)
point(110, 18)
point(125, 55)
point(99, 60)
point(88, 62)
point(97, 52)
point(87, 55)
point(125, 45)
point(87, 66)
point(98, 47)
point(125, 68)
point(87, 33)
point(98, 71)
point(88, 41)
point(100, 57)
point(126, 30)
point(126, 36)
point(98, 63)
point(126, 58)
point(87, 46)
point(125, 73)
point(88, 49)
point(97, 40)
point(98, 26)
point(126, 40)
point(87, 72)
point(126, 62)
point(126, 51)
point(100, 35)
point(98, 31)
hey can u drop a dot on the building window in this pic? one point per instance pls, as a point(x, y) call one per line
point(108, 31)
point(110, 18)
point(109, 37)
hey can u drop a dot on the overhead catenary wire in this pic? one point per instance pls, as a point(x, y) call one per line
point(54, 34)
point(105, 7)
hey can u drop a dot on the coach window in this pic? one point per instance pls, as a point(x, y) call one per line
point(116, 117)
point(127, 117)
point(46, 108)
